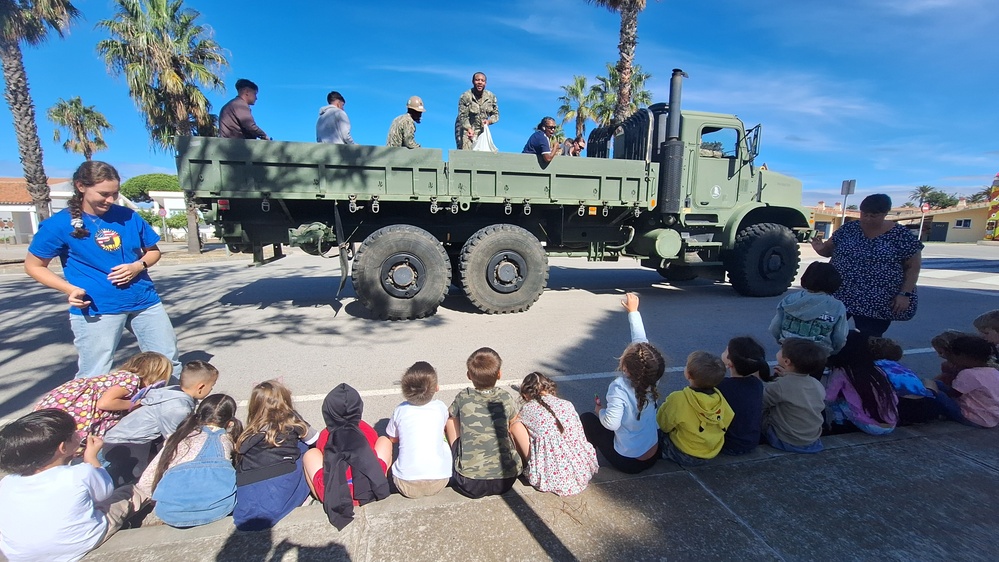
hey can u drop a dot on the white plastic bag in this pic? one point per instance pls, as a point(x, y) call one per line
point(485, 141)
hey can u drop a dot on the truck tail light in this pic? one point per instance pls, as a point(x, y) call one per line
point(223, 204)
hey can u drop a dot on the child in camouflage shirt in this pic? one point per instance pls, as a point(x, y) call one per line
point(479, 429)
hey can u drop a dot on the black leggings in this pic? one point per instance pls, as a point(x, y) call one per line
point(603, 439)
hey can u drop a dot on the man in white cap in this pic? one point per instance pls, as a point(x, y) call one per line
point(402, 131)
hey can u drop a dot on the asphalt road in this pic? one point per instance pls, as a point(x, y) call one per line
point(281, 321)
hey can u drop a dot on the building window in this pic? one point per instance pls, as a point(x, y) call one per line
point(962, 223)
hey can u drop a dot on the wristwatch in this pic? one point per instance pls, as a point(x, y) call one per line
point(144, 264)
point(906, 294)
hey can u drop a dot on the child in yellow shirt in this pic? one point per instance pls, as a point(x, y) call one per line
point(695, 419)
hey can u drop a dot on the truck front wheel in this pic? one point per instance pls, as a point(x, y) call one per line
point(503, 269)
point(401, 272)
point(763, 261)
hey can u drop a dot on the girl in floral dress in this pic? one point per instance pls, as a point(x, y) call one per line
point(559, 458)
point(98, 403)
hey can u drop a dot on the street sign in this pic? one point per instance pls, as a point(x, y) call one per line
point(849, 187)
point(926, 207)
point(162, 212)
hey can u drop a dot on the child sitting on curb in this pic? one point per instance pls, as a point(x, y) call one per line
point(486, 461)
point(695, 419)
point(793, 404)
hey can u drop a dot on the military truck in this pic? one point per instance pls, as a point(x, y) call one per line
point(677, 190)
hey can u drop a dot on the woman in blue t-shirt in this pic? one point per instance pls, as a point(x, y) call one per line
point(105, 250)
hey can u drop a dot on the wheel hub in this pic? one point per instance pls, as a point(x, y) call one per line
point(401, 274)
point(772, 263)
point(506, 272)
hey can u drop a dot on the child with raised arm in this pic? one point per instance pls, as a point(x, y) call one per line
point(130, 444)
point(747, 362)
point(49, 509)
point(695, 419)
point(98, 403)
point(813, 314)
point(793, 404)
point(192, 479)
point(423, 467)
point(973, 399)
point(625, 431)
point(559, 459)
point(486, 461)
point(269, 481)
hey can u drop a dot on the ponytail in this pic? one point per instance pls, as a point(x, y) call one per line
point(534, 386)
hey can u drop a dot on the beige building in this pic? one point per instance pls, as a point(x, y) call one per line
point(961, 223)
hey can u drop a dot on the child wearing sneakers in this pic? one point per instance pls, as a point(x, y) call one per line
point(695, 419)
point(486, 461)
point(793, 404)
point(423, 466)
point(130, 444)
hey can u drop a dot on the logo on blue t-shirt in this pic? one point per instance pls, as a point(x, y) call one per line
point(108, 240)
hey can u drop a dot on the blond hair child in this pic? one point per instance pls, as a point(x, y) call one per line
point(695, 419)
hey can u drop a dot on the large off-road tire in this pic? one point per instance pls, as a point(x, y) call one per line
point(401, 272)
point(503, 269)
point(763, 261)
point(676, 272)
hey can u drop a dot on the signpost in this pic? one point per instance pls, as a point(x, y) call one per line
point(922, 215)
point(849, 188)
point(166, 233)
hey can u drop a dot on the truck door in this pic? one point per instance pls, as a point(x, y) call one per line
point(716, 184)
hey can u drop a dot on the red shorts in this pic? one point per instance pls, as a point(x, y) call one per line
point(317, 479)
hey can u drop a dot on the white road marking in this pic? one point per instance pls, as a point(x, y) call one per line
point(394, 391)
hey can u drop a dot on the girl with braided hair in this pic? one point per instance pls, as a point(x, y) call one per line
point(558, 457)
point(105, 250)
point(625, 431)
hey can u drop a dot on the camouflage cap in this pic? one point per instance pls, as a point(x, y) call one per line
point(415, 103)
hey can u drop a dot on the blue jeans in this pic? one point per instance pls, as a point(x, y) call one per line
point(96, 338)
point(673, 453)
point(950, 406)
point(777, 443)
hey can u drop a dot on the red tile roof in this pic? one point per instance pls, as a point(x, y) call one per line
point(14, 191)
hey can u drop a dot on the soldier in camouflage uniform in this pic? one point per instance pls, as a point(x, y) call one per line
point(475, 107)
point(402, 131)
point(480, 431)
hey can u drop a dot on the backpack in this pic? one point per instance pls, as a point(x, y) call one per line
point(200, 491)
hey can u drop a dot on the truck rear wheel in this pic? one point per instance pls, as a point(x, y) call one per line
point(401, 272)
point(763, 261)
point(503, 269)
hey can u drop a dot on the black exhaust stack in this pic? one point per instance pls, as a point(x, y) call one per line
point(672, 153)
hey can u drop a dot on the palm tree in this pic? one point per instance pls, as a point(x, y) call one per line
point(165, 57)
point(980, 196)
point(605, 94)
point(921, 193)
point(629, 10)
point(28, 22)
point(576, 104)
point(85, 124)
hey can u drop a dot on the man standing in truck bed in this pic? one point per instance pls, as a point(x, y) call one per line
point(236, 119)
point(402, 131)
point(476, 108)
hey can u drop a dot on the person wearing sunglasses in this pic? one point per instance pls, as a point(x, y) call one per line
point(540, 142)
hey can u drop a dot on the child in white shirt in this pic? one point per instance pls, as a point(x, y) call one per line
point(423, 466)
point(50, 510)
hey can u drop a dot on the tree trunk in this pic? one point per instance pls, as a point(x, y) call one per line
point(626, 48)
point(193, 234)
point(580, 122)
point(25, 127)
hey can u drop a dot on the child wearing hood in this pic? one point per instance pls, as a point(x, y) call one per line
point(695, 419)
point(347, 467)
point(814, 314)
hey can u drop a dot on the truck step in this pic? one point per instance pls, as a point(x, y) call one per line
point(698, 244)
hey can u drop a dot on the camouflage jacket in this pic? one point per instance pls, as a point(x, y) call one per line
point(485, 450)
point(471, 112)
point(402, 132)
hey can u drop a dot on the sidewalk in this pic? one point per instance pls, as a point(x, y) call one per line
point(922, 493)
point(12, 255)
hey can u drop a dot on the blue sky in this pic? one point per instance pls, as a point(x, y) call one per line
point(892, 93)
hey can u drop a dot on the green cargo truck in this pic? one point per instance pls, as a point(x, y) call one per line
point(677, 190)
